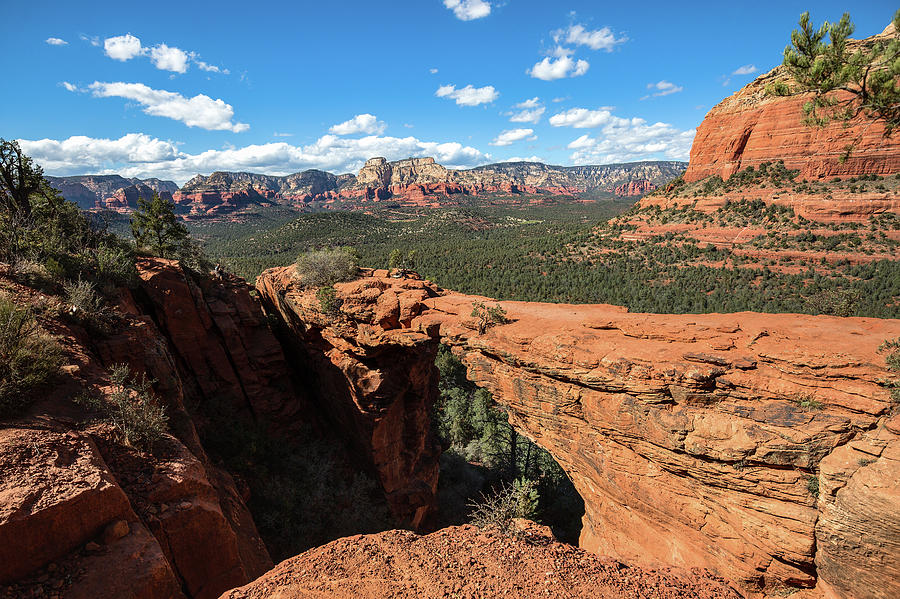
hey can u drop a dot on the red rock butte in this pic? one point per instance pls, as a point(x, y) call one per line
point(760, 446)
point(751, 127)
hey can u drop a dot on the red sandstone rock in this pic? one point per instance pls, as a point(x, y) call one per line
point(684, 434)
point(465, 562)
point(60, 493)
point(751, 127)
point(634, 188)
point(376, 381)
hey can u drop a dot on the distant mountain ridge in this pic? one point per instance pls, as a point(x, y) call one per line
point(110, 191)
point(412, 181)
point(416, 181)
point(379, 173)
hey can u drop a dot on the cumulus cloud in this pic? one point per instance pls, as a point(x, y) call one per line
point(582, 118)
point(468, 95)
point(139, 155)
point(524, 159)
point(621, 139)
point(510, 136)
point(598, 39)
point(663, 88)
point(747, 69)
point(468, 10)
point(361, 123)
point(55, 41)
point(122, 47)
point(529, 111)
point(198, 111)
point(69, 86)
point(563, 65)
point(164, 57)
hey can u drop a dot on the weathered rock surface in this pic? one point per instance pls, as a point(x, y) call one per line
point(751, 127)
point(635, 188)
point(77, 505)
point(691, 438)
point(465, 562)
point(375, 382)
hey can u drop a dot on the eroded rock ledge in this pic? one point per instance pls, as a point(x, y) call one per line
point(695, 440)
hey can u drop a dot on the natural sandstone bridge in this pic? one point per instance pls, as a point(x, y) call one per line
point(693, 439)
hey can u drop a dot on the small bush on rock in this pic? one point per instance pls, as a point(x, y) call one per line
point(29, 358)
point(131, 408)
point(497, 511)
point(319, 268)
point(86, 306)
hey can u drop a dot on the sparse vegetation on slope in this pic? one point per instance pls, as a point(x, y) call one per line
point(29, 357)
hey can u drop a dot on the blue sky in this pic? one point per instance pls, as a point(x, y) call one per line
point(172, 89)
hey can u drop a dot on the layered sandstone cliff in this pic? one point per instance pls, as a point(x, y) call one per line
point(760, 446)
point(81, 514)
point(753, 126)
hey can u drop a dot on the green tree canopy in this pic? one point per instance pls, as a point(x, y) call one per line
point(844, 83)
point(155, 226)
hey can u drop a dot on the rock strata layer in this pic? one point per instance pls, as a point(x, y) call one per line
point(743, 443)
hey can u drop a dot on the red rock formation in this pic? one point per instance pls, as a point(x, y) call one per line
point(169, 523)
point(376, 383)
point(465, 562)
point(751, 127)
point(634, 188)
point(684, 434)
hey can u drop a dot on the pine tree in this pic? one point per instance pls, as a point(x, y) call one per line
point(844, 84)
point(155, 226)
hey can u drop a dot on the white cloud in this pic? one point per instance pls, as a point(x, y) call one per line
point(745, 70)
point(663, 88)
point(512, 135)
point(69, 86)
point(599, 39)
point(521, 159)
point(277, 134)
point(139, 155)
point(166, 58)
point(621, 139)
point(122, 47)
point(468, 95)
point(468, 10)
point(558, 68)
point(55, 41)
point(199, 111)
point(91, 39)
point(433, 71)
point(529, 111)
point(582, 118)
point(210, 68)
point(361, 123)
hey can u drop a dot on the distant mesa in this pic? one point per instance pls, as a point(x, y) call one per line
point(418, 182)
point(110, 191)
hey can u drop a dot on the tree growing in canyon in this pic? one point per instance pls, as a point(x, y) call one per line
point(155, 226)
point(846, 80)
